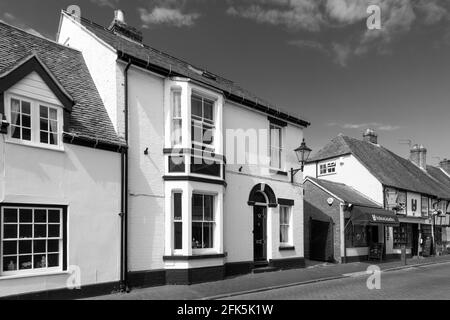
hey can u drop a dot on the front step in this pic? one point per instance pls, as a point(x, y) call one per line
point(265, 269)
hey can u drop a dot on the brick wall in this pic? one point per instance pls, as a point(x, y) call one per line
point(317, 208)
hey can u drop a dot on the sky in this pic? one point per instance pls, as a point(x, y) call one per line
point(316, 59)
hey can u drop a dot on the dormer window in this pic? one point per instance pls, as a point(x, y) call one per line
point(34, 123)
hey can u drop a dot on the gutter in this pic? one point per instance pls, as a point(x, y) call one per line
point(124, 197)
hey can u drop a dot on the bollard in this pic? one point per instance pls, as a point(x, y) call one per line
point(404, 254)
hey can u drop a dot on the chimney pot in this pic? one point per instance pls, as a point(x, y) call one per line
point(370, 136)
point(418, 156)
point(119, 26)
point(445, 165)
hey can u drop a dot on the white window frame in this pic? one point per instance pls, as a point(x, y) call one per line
point(180, 221)
point(35, 122)
point(289, 225)
point(279, 149)
point(32, 271)
point(330, 168)
point(175, 118)
point(213, 222)
point(202, 121)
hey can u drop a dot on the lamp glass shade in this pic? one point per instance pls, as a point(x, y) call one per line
point(303, 152)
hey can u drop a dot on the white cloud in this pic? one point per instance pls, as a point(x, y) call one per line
point(106, 3)
point(398, 17)
point(373, 125)
point(9, 18)
point(169, 16)
point(308, 44)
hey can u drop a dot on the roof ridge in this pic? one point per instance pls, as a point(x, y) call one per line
point(40, 36)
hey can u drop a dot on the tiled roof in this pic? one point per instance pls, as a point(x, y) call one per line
point(345, 192)
point(170, 65)
point(389, 168)
point(88, 118)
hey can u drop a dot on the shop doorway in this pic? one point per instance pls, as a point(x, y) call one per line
point(321, 241)
point(260, 235)
point(415, 240)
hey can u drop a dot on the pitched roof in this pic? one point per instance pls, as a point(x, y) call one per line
point(344, 192)
point(88, 118)
point(389, 168)
point(171, 66)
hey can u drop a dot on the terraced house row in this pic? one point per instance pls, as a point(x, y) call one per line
point(122, 166)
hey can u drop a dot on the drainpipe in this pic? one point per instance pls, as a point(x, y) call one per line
point(124, 197)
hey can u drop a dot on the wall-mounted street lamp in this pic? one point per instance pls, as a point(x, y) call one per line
point(302, 154)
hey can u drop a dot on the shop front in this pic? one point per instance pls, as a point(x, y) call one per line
point(365, 232)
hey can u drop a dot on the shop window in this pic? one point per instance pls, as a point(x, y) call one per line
point(356, 236)
point(402, 235)
point(203, 222)
point(31, 240)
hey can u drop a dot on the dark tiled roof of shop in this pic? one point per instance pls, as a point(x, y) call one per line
point(345, 193)
point(389, 168)
point(169, 65)
point(89, 118)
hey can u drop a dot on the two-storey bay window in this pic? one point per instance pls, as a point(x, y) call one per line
point(35, 123)
point(285, 225)
point(31, 239)
point(177, 121)
point(177, 221)
point(276, 146)
point(203, 222)
point(202, 116)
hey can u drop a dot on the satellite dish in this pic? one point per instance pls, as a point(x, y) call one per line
point(74, 11)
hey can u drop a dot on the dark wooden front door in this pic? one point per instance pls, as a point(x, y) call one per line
point(321, 245)
point(259, 235)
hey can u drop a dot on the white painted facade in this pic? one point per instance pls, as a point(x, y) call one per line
point(152, 185)
point(84, 181)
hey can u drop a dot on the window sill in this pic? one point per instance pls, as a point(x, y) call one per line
point(36, 146)
point(287, 248)
point(194, 257)
point(327, 174)
point(278, 172)
point(33, 275)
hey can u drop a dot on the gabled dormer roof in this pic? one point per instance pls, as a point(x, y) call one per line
point(387, 167)
point(26, 66)
point(65, 71)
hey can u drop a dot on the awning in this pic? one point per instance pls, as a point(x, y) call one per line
point(360, 215)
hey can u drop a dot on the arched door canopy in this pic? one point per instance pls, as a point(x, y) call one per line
point(267, 190)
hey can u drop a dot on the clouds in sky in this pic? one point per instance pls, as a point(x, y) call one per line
point(168, 12)
point(314, 16)
point(359, 126)
point(106, 3)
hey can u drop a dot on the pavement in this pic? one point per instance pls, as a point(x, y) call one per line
point(429, 282)
point(240, 286)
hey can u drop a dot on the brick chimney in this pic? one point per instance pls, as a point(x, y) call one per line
point(370, 136)
point(445, 165)
point(120, 27)
point(418, 156)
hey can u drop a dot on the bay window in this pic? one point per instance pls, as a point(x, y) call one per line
point(285, 225)
point(202, 126)
point(203, 222)
point(35, 123)
point(31, 240)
